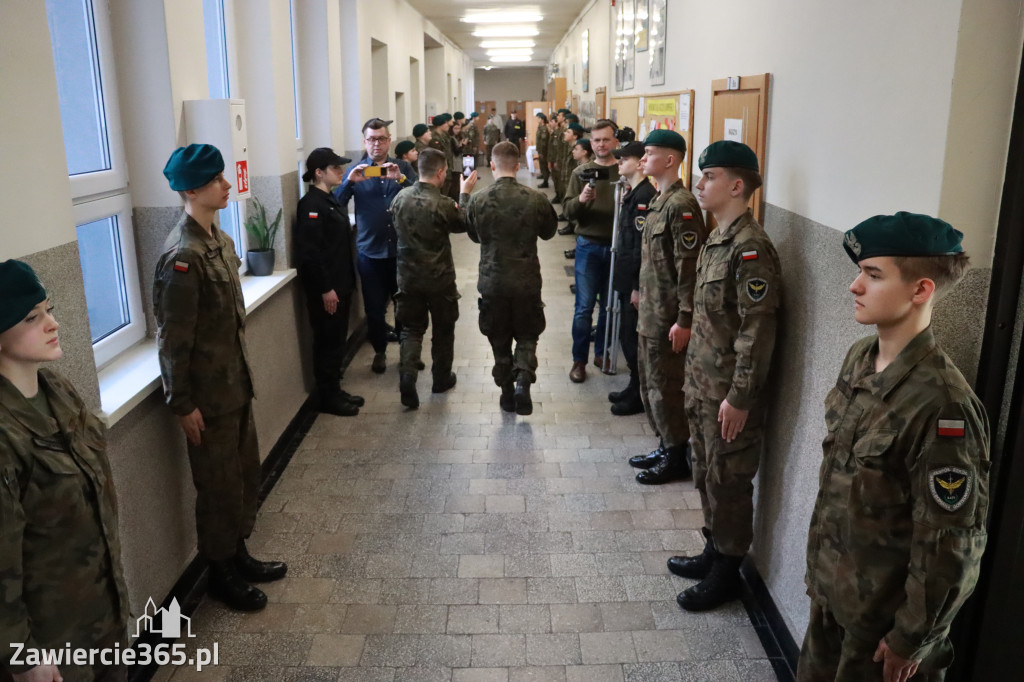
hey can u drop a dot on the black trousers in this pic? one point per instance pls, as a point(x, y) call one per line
point(329, 335)
point(628, 319)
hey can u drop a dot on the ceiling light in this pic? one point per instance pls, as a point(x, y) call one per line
point(511, 52)
point(507, 43)
point(501, 17)
point(513, 31)
point(500, 60)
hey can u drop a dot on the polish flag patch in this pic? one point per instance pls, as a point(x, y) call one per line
point(951, 428)
point(180, 266)
point(314, 215)
point(687, 216)
point(641, 207)
point(750, 255)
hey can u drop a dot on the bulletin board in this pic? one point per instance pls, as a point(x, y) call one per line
point(741, 114)
point(671, 110)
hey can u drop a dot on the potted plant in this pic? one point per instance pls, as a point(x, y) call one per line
point(260, 255)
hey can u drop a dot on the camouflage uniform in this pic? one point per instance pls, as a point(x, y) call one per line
point(898, 528)
point(506, 219)
point(556, 154)
point(421, 145)
point(442, 142)
point(60, 557)
point(492, 136)
point(472, 135)
point(426, 275)
point(734, 320)
point(542, 140)
point(672, 236)
point(201, 339)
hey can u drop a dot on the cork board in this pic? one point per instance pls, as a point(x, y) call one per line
point(668, 110)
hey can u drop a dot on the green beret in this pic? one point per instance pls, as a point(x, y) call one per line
point(193, 166)
point(572, 117)
point(419, 130)
point(666, 138)
point(474, 114)
point(403, 147)
point(728, 154)
point(577, 128)
point(903, 234)
point(564, 112)
point(441, 119)
point(458, 116)
point(20, 291)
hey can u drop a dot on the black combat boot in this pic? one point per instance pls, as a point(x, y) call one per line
point(695, 567)
point(722, 585)
point(543, 185)
point(507, 399)
point(356, 400)
point(255, 571)
point(407, 388)
point(444, 383)
point(672, 467)
point(524, 404)
point(631, 405)
point(619, 396)
point(334, 403)
point(227, 585)
point(650, 459)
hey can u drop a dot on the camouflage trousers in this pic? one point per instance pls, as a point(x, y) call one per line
point(724, 472)
point(545, 172)
point(832, 653)
point(226, 473)
point(414, 312)
point(504, 318)
point(558, 175)
point(662, 376)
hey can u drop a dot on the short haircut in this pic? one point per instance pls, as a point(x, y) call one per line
point(585, 145)
point(603, 123)
point(751, 179)
point(431, 161)
point(945, 271)
point(375, 124)
point(505, 156)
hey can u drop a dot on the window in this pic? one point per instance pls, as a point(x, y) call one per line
point(86, 89)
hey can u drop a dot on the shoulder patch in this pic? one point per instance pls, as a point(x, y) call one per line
point(639, 223)
point(180, 266)
point(951, 487)
point(749, 255)
point(314, 215)
point(757, 288)
point(689, 239)
point(687, 215)
point(951, 428)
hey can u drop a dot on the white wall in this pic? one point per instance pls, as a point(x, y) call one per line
point(509, 84)
point(596, 18)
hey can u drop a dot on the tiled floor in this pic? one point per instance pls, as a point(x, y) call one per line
point(461, 543)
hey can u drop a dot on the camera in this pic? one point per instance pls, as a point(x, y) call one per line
point(592, 175)
point(624, 135)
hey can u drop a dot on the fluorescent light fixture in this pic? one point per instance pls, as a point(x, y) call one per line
point(501, 60)
point(507, 43)
point(511, 52)
point(511, 31)
point(501, 17)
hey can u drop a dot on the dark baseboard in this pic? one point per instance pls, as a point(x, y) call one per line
point(775, 637)
point(190, 588)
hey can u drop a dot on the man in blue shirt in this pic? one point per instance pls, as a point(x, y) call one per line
point(376, 240)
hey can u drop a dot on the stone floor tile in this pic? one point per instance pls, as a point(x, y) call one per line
point(423, 673)
point(528, 566)
point(547, 673)
point(404, 591)
point(257, 673)
point(572, 565)
point(607, 647)
point(391, 650)
point(626, 616)
point(421, 619)
point(575, 618)
point(454, 591)
point(594, 673)
point(524, 618)
point(660, 645)
point(369, 619)
point(480, 675)
point(759, 670)
point(601, 589)
point(319, 618)
point(331, 543)
point(434, 566)
point(366, 675)
point(551, 590)
point(470, 620)
point(304, 590)
point(710, 671)
point(651, 672)
point(499, 650)
point(335, 650)
point(502, 591)
point(481, 566)
point(553, 649)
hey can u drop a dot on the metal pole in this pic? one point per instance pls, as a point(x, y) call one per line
point(609, 364)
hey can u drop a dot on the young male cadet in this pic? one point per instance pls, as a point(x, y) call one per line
point(200, 317)
point(506, 220)
point(492, 136)
point(543, 137)
point(427, 293)
point(472, 135)
point(557, 151)
point(735, 307)
point(375, 233)
point(423, 136)
point(671, 240)
point(898, 527)
point(593, 206)
point(626, 281)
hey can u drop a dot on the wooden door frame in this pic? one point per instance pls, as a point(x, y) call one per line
point(757, 82)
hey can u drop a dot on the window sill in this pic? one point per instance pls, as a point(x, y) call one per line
point(134, 374)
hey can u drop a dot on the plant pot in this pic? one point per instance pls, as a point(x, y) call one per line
point(261, 263)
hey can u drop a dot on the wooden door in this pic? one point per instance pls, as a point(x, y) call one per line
point(742, 114)
point(601, 100)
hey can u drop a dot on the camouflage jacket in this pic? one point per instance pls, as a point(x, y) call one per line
point(543, 136)
point(735, 306)
point(595, 217)
point(492, 134)
point(60, 557)
point(506, 219)
point(898, 528)
point(672, 237)
point(556, 148)
point(421, 145)
point(442, 142)
point(472, 135)
point(423, 219)
point(200, 316)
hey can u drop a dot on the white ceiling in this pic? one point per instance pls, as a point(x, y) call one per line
point(445, 14)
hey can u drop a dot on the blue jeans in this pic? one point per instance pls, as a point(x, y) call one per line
point(379, 277)
point(592, 263)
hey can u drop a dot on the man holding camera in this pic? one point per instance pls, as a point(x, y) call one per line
point(590, 201)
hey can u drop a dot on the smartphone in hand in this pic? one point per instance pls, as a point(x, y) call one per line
point(468, 164)
point(374, 172)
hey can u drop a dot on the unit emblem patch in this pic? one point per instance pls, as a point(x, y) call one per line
point(757, 289)
point(852, 243)
point(639, 222)
point(951, 487)
point(689, 239)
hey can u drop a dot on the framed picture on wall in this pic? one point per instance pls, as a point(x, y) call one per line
point(617, 23)
point(629, 55)
point(585, 53)
point(658, 27)
point(641, 25)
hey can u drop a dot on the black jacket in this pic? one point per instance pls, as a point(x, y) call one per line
point(324, 244)
point(631, 217)
point(515, 130)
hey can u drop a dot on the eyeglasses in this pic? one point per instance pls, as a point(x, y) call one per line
point(377, 140)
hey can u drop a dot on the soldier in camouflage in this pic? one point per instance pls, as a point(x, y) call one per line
point(492, 136)
point(506, 220)
point(207, 379)
point(423, 136)
point(61, 582)
point(672, 237)
point(898, 528)
point(441, 140)
point(556, 155)
point(735, 306)
point(424, 219)
point(472, 134)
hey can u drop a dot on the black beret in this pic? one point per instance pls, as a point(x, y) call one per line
point(20, 291)
point(441, 119)
point(728, 154)
point(193, 166)
point(665, 138)
point(904, 234)
point(419, 129)
point(404, 147)
point(322, 157)
point(633, 149)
